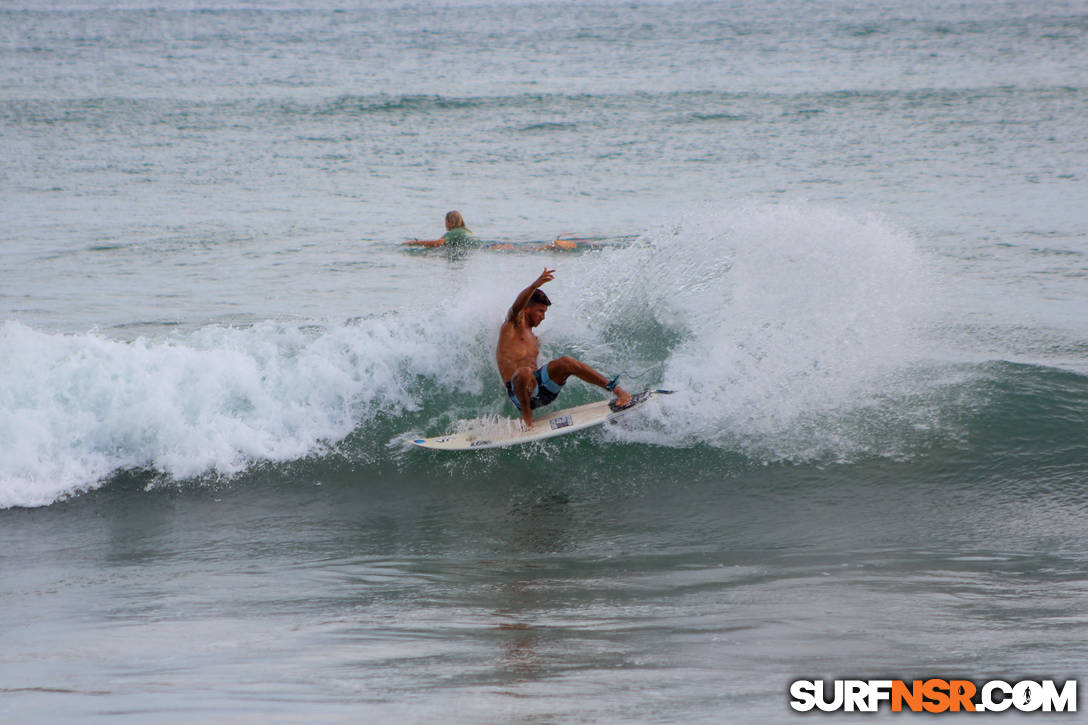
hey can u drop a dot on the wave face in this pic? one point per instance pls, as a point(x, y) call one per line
point(794, 334)
point(79, 407)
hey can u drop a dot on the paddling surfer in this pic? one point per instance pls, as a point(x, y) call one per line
point(527, 385)
point(457, 235)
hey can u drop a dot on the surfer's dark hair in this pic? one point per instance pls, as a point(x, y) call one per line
point(540, 298)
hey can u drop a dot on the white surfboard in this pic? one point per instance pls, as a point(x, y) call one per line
point(479, 434)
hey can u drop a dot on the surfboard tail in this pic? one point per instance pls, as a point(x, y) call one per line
point(637, 398)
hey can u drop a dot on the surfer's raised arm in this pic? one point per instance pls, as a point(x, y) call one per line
point(523, 298)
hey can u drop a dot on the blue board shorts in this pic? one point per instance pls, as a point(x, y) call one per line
point(546, 389)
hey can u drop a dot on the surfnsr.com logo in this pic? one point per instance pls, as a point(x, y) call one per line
point(933, 695)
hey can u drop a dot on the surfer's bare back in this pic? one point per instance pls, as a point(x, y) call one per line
point(527, 385)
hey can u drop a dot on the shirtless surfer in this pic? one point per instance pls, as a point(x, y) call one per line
point(527, 385)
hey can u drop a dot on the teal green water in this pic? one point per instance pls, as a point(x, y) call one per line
point(850, 235)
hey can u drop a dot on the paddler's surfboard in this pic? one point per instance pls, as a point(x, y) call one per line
point(477, 435)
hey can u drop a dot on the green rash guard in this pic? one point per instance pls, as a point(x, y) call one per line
point(461, 238)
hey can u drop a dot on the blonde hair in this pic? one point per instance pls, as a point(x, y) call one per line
point(454, 220)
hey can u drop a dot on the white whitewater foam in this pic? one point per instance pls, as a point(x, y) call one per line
point(785, 329)
point(77, 407)
point(795, 325)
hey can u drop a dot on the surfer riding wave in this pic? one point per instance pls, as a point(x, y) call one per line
point(528, 385)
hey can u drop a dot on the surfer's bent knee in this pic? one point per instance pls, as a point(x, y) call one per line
point(564, 365)
point(522, 375)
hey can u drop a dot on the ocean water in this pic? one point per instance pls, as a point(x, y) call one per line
point(851, 235)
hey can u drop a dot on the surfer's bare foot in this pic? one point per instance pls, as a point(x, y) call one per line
point(527, 421)
point(622, 396)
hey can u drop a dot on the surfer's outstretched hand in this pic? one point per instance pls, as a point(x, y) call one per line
point(546, 276)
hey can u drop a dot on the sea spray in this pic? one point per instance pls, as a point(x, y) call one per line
point(787, 325)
